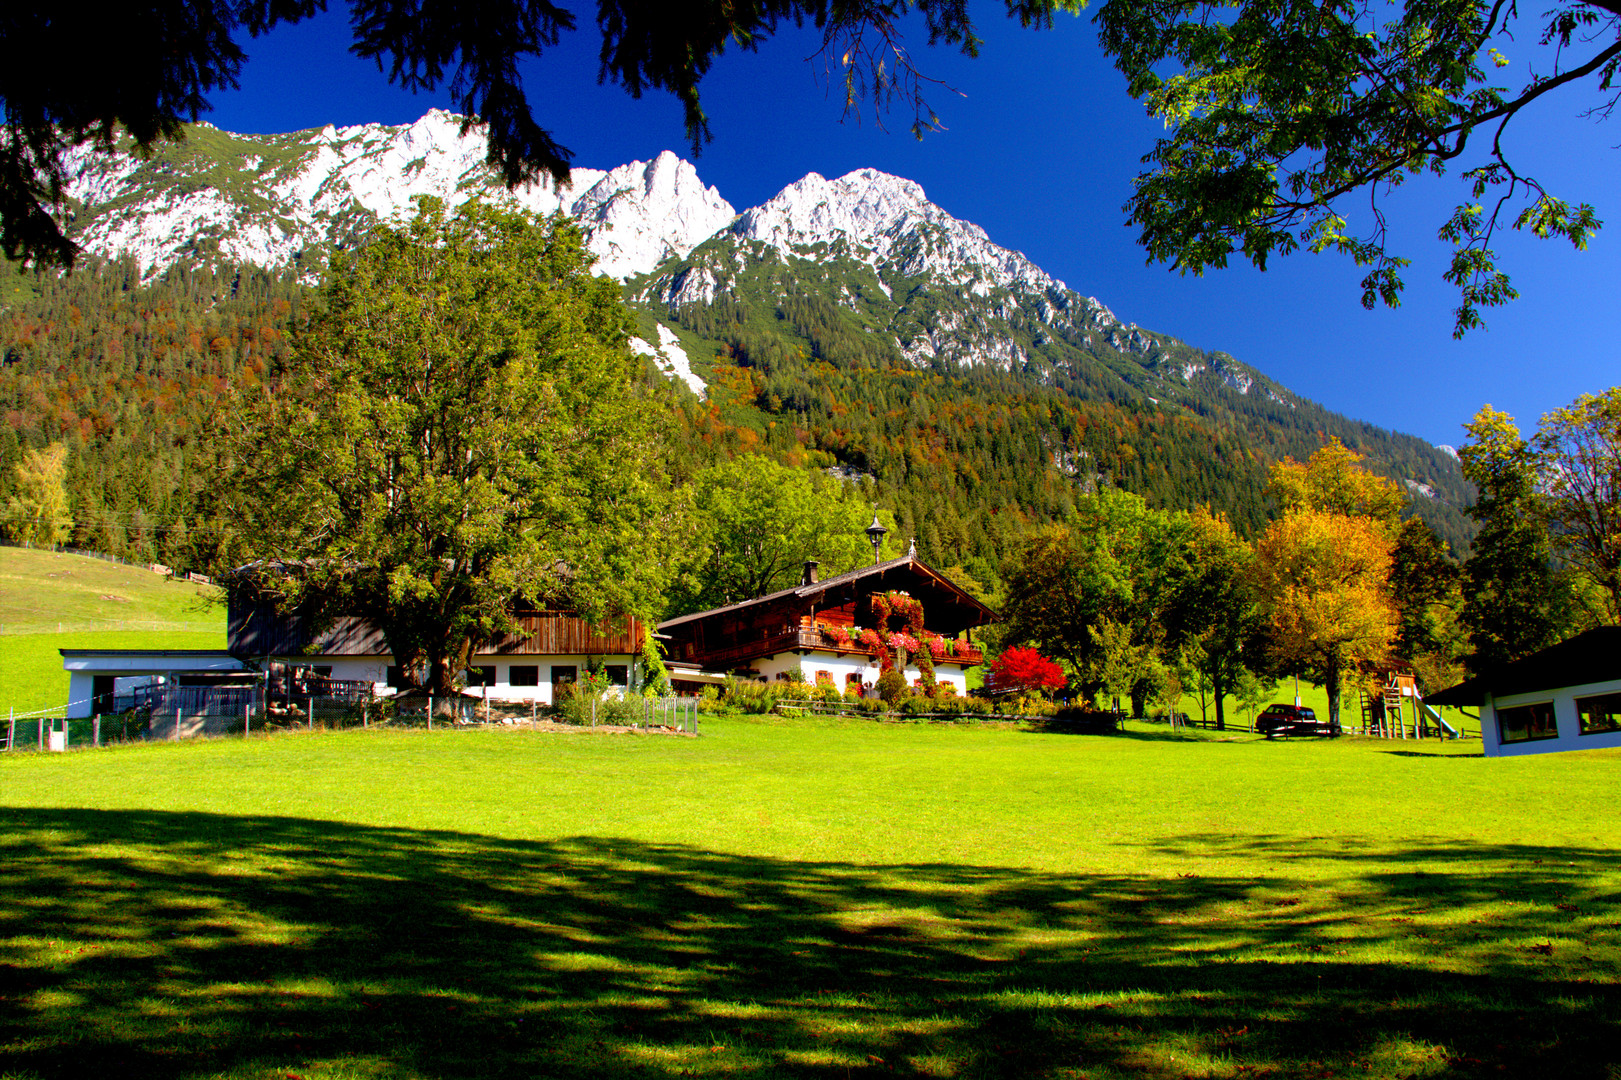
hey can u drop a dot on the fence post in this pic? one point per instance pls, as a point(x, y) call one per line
point(95, 731)
point(430, 712)
point(11, 729)
point(247, 719)
point(42, 733)
point(363, 719)
point(309, 712)
point(177, 718)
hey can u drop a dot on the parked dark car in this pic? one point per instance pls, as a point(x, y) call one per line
point(1280, 719)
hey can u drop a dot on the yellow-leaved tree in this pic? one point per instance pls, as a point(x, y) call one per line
point(37, 515)
point(1323, 568)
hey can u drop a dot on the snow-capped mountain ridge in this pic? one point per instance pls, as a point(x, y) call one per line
point(881, 217)
point(271, 200)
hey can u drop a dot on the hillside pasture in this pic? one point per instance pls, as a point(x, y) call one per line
point(51, 591)
point(808, 899)
point(51, 601)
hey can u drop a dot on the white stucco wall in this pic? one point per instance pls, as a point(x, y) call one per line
point(1564, 712)
point(840, 665)
point(82, 670)
point(374, 669)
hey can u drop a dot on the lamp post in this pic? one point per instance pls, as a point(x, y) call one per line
point(875, 533)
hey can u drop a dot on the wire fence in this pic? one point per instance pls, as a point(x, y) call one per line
point(165, 713)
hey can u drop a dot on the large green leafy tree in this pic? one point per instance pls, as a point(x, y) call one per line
point(757, 524)
point(1427, 586)
point(1515, 600)
point(1215, 619)
point(1097, 591)
point(460, 430)
point(1579, 451)
point(1288, 118)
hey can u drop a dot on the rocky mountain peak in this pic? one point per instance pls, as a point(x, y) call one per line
point(888, 222)
point(273, 199)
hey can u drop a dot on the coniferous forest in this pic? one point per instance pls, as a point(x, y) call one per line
point(125, 373)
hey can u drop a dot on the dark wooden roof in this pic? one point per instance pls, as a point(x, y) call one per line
point(872, 577)
point(256, 628)
point(1589, 657)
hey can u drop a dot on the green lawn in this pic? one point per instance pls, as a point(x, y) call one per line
point(808, 899)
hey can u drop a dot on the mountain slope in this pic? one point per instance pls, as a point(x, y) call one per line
point(848, 323)
point(888, 333)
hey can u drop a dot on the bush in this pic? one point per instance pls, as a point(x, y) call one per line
point(747, 696)
point(1079, 718)
point(611, 709)
point(957, 707)
point(917, 705)
point(892, 686)
point(828, 694)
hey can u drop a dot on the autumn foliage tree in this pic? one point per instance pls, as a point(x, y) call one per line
point(37, 515)
point(1323, 568)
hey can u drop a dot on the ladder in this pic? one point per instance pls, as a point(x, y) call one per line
point(1393, 712)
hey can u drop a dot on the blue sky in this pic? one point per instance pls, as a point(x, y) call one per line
point(1041, 151)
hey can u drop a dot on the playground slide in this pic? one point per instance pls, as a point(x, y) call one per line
point(1451, 732)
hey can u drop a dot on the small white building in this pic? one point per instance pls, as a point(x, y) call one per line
point(1565, 697)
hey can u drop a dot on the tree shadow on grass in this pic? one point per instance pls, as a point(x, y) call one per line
point(185, 944)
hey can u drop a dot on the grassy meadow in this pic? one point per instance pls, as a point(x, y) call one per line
point(808, 899)
point(51, 601)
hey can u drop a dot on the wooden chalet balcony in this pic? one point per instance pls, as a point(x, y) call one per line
point(802, 637)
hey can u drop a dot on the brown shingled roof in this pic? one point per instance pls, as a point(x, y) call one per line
point(825, 584)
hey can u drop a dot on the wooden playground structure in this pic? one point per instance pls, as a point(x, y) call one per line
point(1398, 711)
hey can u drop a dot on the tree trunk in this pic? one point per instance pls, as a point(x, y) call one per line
point(1218, 685)
point(445, 660)
point(1139, 698)
point(1331, 683)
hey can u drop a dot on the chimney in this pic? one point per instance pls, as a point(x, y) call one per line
point(810, 572)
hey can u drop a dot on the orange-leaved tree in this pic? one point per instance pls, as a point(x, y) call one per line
point(1325, 579)
point(1323, 568)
